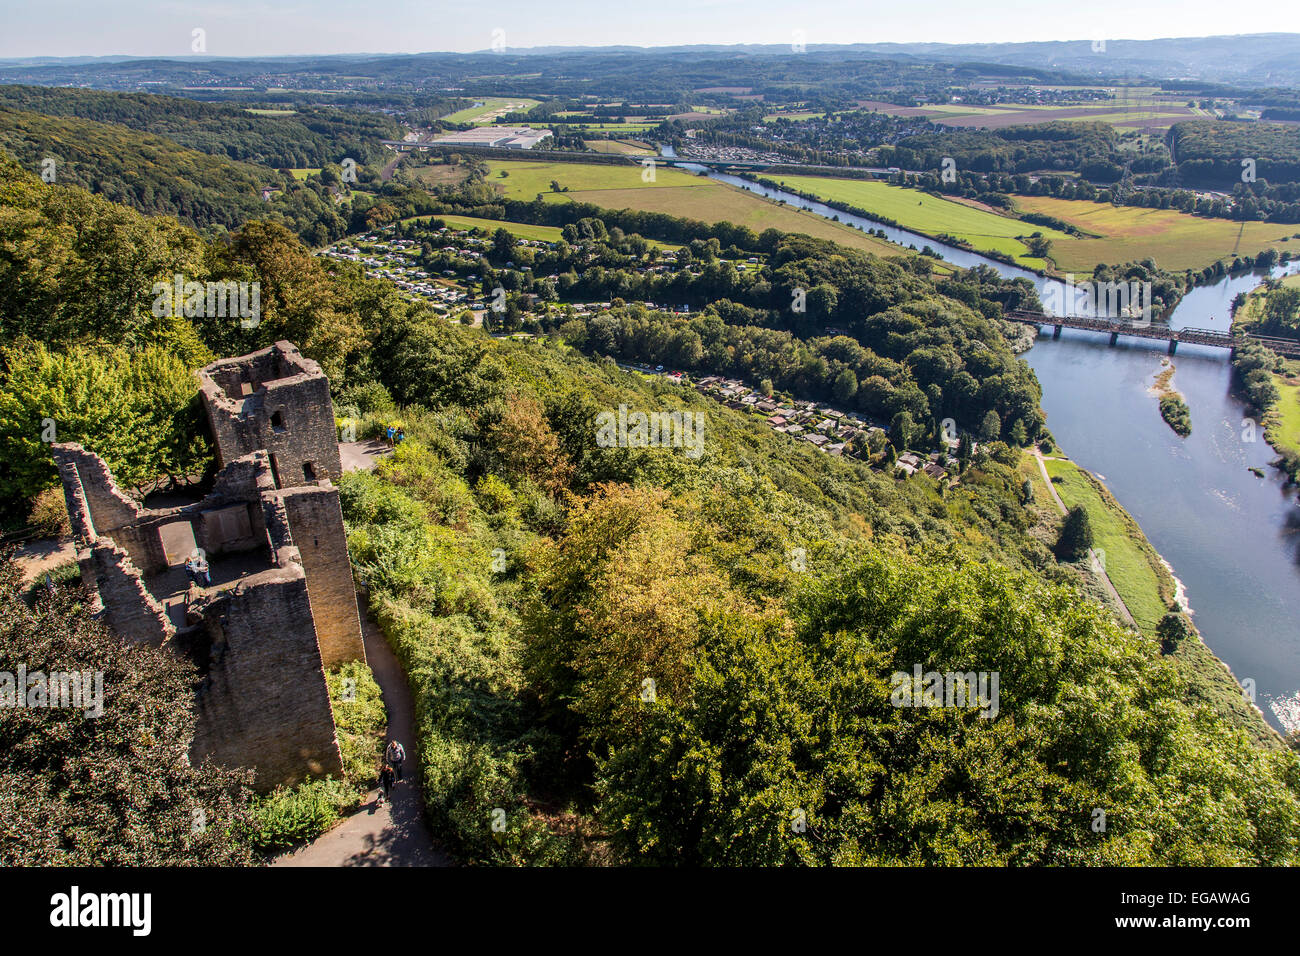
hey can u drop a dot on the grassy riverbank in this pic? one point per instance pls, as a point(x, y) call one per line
point(1147, 588)
point(1282, 419)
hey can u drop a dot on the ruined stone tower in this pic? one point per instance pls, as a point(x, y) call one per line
point(278, 401)
point(281, 608)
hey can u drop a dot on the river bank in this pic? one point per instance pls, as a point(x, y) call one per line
point(1188, 279)
point(1233, 537)
point(1147, 589)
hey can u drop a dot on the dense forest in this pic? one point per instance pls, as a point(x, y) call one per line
point(308, 137)
point(158, 177)
point(1212, 154)
point(637, 656)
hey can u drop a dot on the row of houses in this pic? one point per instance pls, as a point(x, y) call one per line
point(823, 426)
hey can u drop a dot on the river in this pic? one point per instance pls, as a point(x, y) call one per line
point(1233, 539)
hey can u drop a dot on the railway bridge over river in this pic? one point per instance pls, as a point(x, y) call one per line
point(1151, 330)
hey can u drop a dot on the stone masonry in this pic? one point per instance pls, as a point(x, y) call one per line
point(278, 401)
point(282, 607)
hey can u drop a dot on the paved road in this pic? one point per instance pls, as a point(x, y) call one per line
point(395, 834)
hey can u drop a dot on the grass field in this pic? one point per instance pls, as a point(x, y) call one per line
point(1147, 588)
point(1284, 433)
point(676, 193)
point(622, 147)
point(1133, 567)
point(520, 230)
point(270, 112)
point(491, 109)
point(303, 172)
point(1132, 108)
point(1174, 239)
point(930, 215)
point(440, 174)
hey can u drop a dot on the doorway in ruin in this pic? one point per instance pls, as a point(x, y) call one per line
point(177, 542)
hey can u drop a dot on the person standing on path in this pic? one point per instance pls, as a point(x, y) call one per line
point(385, 783)
point(395, 754)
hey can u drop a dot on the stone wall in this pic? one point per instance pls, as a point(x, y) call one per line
point(129, 609)
point(100, 500)
point(275, 400)
point(264, 702)
point(316, 524)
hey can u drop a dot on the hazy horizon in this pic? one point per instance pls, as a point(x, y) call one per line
point(255, 28)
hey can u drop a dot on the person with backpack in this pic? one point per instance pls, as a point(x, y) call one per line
point(395, 754)
point(385, 784)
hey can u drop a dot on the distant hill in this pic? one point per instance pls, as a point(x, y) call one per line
point(1254, 60)
point(157, 176)
point(311, 137)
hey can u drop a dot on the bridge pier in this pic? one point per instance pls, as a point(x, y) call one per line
point(1114, 337)
point(1173, 346)
point(1056, 332)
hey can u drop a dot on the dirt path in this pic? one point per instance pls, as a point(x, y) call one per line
point(37, 557)
point(1100, 571)
point(1042, 467)
point(395, 834)
point(362, 455)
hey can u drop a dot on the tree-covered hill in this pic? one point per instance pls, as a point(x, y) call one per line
point(160, 177)
point(307, 137)
point(1211, 154)
point(631, 654)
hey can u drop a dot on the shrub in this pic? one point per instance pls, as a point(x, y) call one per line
point(1172, 630)
point(1175, 411)
point(360, 720)
point(49, 514)
point(288, 816)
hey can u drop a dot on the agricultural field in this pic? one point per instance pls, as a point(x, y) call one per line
point(623, 147)
point(490, 110)
point(1174, 239)
point(303, 172)
point(675, 193)
point(932, 216)
point(257, 112)
point(793, 116)
point(1131, 108)
point(609, 129)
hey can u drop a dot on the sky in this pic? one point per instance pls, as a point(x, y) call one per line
point(288, 27)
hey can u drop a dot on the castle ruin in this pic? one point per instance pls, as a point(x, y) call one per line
point(281, 608)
